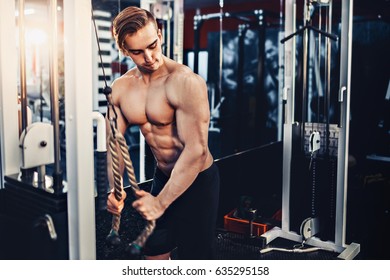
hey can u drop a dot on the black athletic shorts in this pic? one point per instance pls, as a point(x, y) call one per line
point(189, 223)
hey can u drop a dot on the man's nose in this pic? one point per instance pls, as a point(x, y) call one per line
point(148, 55)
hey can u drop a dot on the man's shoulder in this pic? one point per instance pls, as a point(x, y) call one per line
point(123, 84)
point(181, 73)
point(178, 68)
point(125, 78)
point(183, 79)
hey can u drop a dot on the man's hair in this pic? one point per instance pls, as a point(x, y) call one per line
point(128, 22)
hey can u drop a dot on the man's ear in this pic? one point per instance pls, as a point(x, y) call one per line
point(159, 34)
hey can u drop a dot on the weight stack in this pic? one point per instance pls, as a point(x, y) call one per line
point(33, 223)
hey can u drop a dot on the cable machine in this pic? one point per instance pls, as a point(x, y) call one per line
point(52, 216)
point(317, 141)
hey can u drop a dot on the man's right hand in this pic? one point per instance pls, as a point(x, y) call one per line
point(114, 206)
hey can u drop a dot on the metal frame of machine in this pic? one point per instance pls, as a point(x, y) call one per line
point(339, 245)
point(79, 115)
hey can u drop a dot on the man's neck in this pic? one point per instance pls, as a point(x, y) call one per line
point(150, 76)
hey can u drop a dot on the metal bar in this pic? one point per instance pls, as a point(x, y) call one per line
point(345, 82)
point(220, 49)
point(54, 92)
point(79, 132)
point(350, 252)
point(305, 56)
point(9, 130)
point(242, 29)
point(260, 117)
point(101, 160)
point(197, 25)
point(22, 65)
point(223, 15)
point(304, 29)
point(178, 34)
point(289, 77)
point(327, 98)
point(326, 34)
point(23, 122)
point(168, 40)
point(280, 73)
point(101, 145)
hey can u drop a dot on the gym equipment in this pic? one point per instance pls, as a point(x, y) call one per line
point(54, 97)
point(252, 216)
point(310, 227)
point(33, 206)
point(248, 227)
point(101, 161)
point(37, 138)
point(54, 214)
point(113, 237)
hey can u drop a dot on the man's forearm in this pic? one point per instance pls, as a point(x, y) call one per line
point(184, 173)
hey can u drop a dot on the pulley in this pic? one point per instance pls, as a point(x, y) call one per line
point(309, 228)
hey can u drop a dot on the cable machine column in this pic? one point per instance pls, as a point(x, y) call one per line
point(78, 108)
point(10, 151)
point(288, 100)
point(344, 100)
point(309, 237)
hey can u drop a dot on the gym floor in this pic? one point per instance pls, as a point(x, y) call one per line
point(230, 246)
point(368, 224)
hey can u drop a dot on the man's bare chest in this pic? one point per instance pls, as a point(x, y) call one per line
point(149, 105)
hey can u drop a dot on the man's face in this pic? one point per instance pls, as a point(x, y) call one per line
point(144, 48)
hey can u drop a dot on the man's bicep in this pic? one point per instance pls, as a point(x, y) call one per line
point(193, 115)
point(114, 114)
